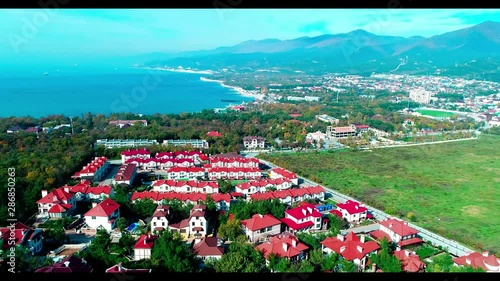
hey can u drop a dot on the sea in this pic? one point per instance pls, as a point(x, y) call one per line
point(75, 90)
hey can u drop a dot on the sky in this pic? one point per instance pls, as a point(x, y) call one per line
point(35, 35)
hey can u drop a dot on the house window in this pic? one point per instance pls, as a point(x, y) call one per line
point(93, 218)
point(192, 224)
point(163, 224)
point(154, 224)
point(201, 223)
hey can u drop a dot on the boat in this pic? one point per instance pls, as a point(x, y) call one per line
point(46, 73)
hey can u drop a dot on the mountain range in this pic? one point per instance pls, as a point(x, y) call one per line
point(472, 52)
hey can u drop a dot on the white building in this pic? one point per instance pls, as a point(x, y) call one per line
point(254, 142)
point(192, 142)
point(303, 218)
point(144, 246)
point(124, 143)
point(103, 215)
point(315, 137)
point(351, 211)
point(328, 119)
point(159, 222)
point(259, 227)
point(420, 96)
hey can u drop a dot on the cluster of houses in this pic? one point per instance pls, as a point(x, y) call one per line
point(94, 171)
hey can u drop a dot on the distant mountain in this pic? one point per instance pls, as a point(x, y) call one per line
point(355, 52)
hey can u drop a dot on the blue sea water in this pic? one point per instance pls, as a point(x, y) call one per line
point(76, 90)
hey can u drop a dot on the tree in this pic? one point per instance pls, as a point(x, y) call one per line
point(348, 266)
point(306, 266)
point(126, 243)
point(335, 225)
point(331, 262)
point(411, 217)
point(230, 230)
point(242, 258)
point(57, 234)
point(171, 254)
point(210, 203)
point(144, 208)
point(317, 259)
point(283, 265)
point(122, 223)
point(224, 186)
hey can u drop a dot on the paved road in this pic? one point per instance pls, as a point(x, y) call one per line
point(361, 229)
point(453, 247)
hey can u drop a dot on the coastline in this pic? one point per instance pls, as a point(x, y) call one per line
point(180, 70)
point(239, 90)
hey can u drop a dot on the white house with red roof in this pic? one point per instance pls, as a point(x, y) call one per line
point(196, 225)
point(144, 246)
point(56, 204)
point(261, 227)
point(410, 261)
point(141, 153)
point(186, 186)
point(216, 173)
point(351, 211)
point(360, 128)
point(489, 263)
point(79, 190)
point(303, 218)
point(234, 162)
point(190, 173)
point(277, 173)
point(255, 186)
point(159, 221)
point(214, 134)
point(351, 248)
point(20, 234)
point(284, 246)
point(95, 170)
point(398, 232)
point(103, 215)
point(99, 193)
point(125, 174)
point(208, 248)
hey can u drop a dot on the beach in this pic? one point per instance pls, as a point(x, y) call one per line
point(239, 90)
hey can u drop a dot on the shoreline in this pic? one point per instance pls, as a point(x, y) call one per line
point(239, 90)
point(180, 70)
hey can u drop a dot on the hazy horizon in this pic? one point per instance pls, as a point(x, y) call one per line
point(111, 37)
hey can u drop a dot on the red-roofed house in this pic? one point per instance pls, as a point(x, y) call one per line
point(144, 246)
point(20, 234)
point(352, 211)
point(99, 192)
point(126, 174)
point(360, 128)
point(489, 263)
point(278, 173)
point(208, 248)
point(141, 153)
point(410, 261)
point(56, 204)
point(214, 134)
point(351, 248)
point(103, 215)
point(71, 264)
point(261, 227)
point(196, 225)
point(120, 269)
point(159, 222)
point(254, 142)
point(285, 246)
point(398, 231)
point(303, 218)
point(95, 170)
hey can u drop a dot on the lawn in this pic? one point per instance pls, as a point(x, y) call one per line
point(452, 189)
point(435, 113)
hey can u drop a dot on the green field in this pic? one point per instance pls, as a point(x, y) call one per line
point(435, 113)
point(452, 188)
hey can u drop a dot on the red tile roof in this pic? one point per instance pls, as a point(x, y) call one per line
point(352, 207)
point(20, 230)
point(411, 241)
point(380, 235)
point(282, 247)
point(97, 190)
point(119, 269)
point(60, 208)
point(260, 221)
point(296, 226)
point(56, 196)
point(103, 209)
point(350, 247)
point(399, 227)
point(70, 264)
point(145, 242)
point(304, 211)
point(478, 260)
point(284, 173)
point(336, 213)
point(208, 246)
point(133, 152)
point(411, 262)
point(214, 134)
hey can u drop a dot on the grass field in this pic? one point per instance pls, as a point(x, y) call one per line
point(452, 188)
point(435, 113)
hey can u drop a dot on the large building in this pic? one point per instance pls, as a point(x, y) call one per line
point(254, 142)
point(124, 143)
point(196, 143)
point(303, 218)
point(351, 248)
point(398, 232)
point(104, 215)
point(340, 132)
point(260, 227)
point(95, 170)
point(420, 96)
point(328, 119)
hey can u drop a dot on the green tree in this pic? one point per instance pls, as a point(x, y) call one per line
point(144, 208)
point(283, 265)
point(306, 266)
point(126, 243)
point(348, 266)
point(242, 258)
point(230, 230)
point(317, 259)
point(225, 186)
point(122, 223)
point(171, 254)
point(331, 262)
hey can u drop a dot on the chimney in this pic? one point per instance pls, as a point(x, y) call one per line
point(120, 267)
point(390, 225)
point(360, 249)
point(340, 237)
point(310, 209)
point(198, 240)
point(304, 211)
point(468, 261)
point(374, 267)
point(362, 238)
point(44, 193)
point(285, 247)
point(407, 253)
point(66, 263)
point(146, 239)
point(66, 189)
point(94, 204)
point(342, 249)
point(294, 243)
point(485, 254)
